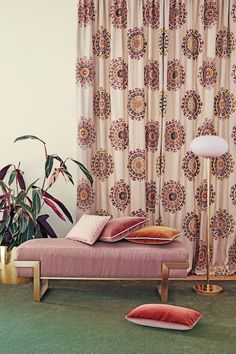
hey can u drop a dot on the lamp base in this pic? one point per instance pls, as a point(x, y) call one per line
point(207, 289)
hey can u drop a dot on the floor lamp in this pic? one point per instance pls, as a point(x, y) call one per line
point(208, 146)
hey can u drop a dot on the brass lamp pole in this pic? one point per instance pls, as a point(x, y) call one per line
point(208, 146)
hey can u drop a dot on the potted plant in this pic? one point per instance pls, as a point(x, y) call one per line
point(21, 216)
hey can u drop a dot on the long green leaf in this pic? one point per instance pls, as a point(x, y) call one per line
point(12, 177)
point(2, 227)
point(29, 232)
point(12, 244)
point(65, 171)
point(8, 220)
point(31, 185)
point(3, 186)
point(20, 197)
point(2, 235)
point(16, 217)
point(84, 170)
point(24, 137)
point(23, 223)
point(48, 165)
point(25, 207)
point(36, 200)
point(13, 229)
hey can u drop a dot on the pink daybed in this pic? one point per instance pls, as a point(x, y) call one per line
point(62, 258)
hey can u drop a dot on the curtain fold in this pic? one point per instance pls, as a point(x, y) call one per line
point(151, 75)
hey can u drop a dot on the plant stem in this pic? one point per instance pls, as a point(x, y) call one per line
point(45, 150)
point(46, 155)
point(17, 187)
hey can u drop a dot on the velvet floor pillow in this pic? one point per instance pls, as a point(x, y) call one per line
point(164, 316)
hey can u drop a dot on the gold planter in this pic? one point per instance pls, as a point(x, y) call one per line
point(5, 255)
point(7, 268)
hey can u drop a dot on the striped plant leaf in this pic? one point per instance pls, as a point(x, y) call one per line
point(26, 208)
point(60, 204)
point(13, 229)
point(12, 177)
point(20, 179)
point(68, 175)
point(31, 185)
point(16, 217)
point(20, 197)
point(84, 170)
point(23, 223)
point(2, 227)
point(4, 196)
point(54, 208)
point(45, 227)
point(3, 171)
point(8, 220)
point(24, 137)
point(36, 202)
point(48, 165)
point(54, 176)
point(3, 186)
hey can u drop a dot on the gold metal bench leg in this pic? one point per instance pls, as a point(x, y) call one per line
point(166, 266)
point(38, 292)
point(44, 287)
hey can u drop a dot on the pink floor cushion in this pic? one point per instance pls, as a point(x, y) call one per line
point(164, 316)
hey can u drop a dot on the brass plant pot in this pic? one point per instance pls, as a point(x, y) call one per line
point(7, 268)
point(5, 255)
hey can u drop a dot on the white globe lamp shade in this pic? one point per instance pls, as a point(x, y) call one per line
point(209, 146)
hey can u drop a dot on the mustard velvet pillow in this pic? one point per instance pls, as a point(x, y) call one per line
point(153, 235)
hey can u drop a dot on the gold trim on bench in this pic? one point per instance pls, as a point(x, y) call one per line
point(39, 290)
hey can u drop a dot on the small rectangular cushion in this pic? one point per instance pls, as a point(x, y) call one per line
point(153, 235)
point(88, 228)
point(118, 228)
point(62, 257)
point(164, 316)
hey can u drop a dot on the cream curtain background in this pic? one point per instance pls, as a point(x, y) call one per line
point(151, 75)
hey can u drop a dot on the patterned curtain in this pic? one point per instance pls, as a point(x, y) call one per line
point(152, 75)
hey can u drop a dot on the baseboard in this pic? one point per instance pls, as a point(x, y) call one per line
point(219, 277)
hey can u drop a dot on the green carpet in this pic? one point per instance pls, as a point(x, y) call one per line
point(88, 317)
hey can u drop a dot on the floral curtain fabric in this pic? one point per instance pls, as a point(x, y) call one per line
point(151, 75)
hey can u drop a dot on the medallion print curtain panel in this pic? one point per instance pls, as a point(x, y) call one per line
point(151, 75)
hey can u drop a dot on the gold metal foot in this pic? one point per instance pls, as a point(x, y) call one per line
point(207, 289)
point(166, 266)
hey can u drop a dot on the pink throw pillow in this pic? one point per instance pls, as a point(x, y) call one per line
point(118, 228)
point(88, 228)
point(164, 316)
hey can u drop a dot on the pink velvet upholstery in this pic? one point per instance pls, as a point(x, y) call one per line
point(118, 228)
point(62, 257)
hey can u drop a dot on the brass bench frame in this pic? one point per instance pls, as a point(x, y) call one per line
point(40, 284)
